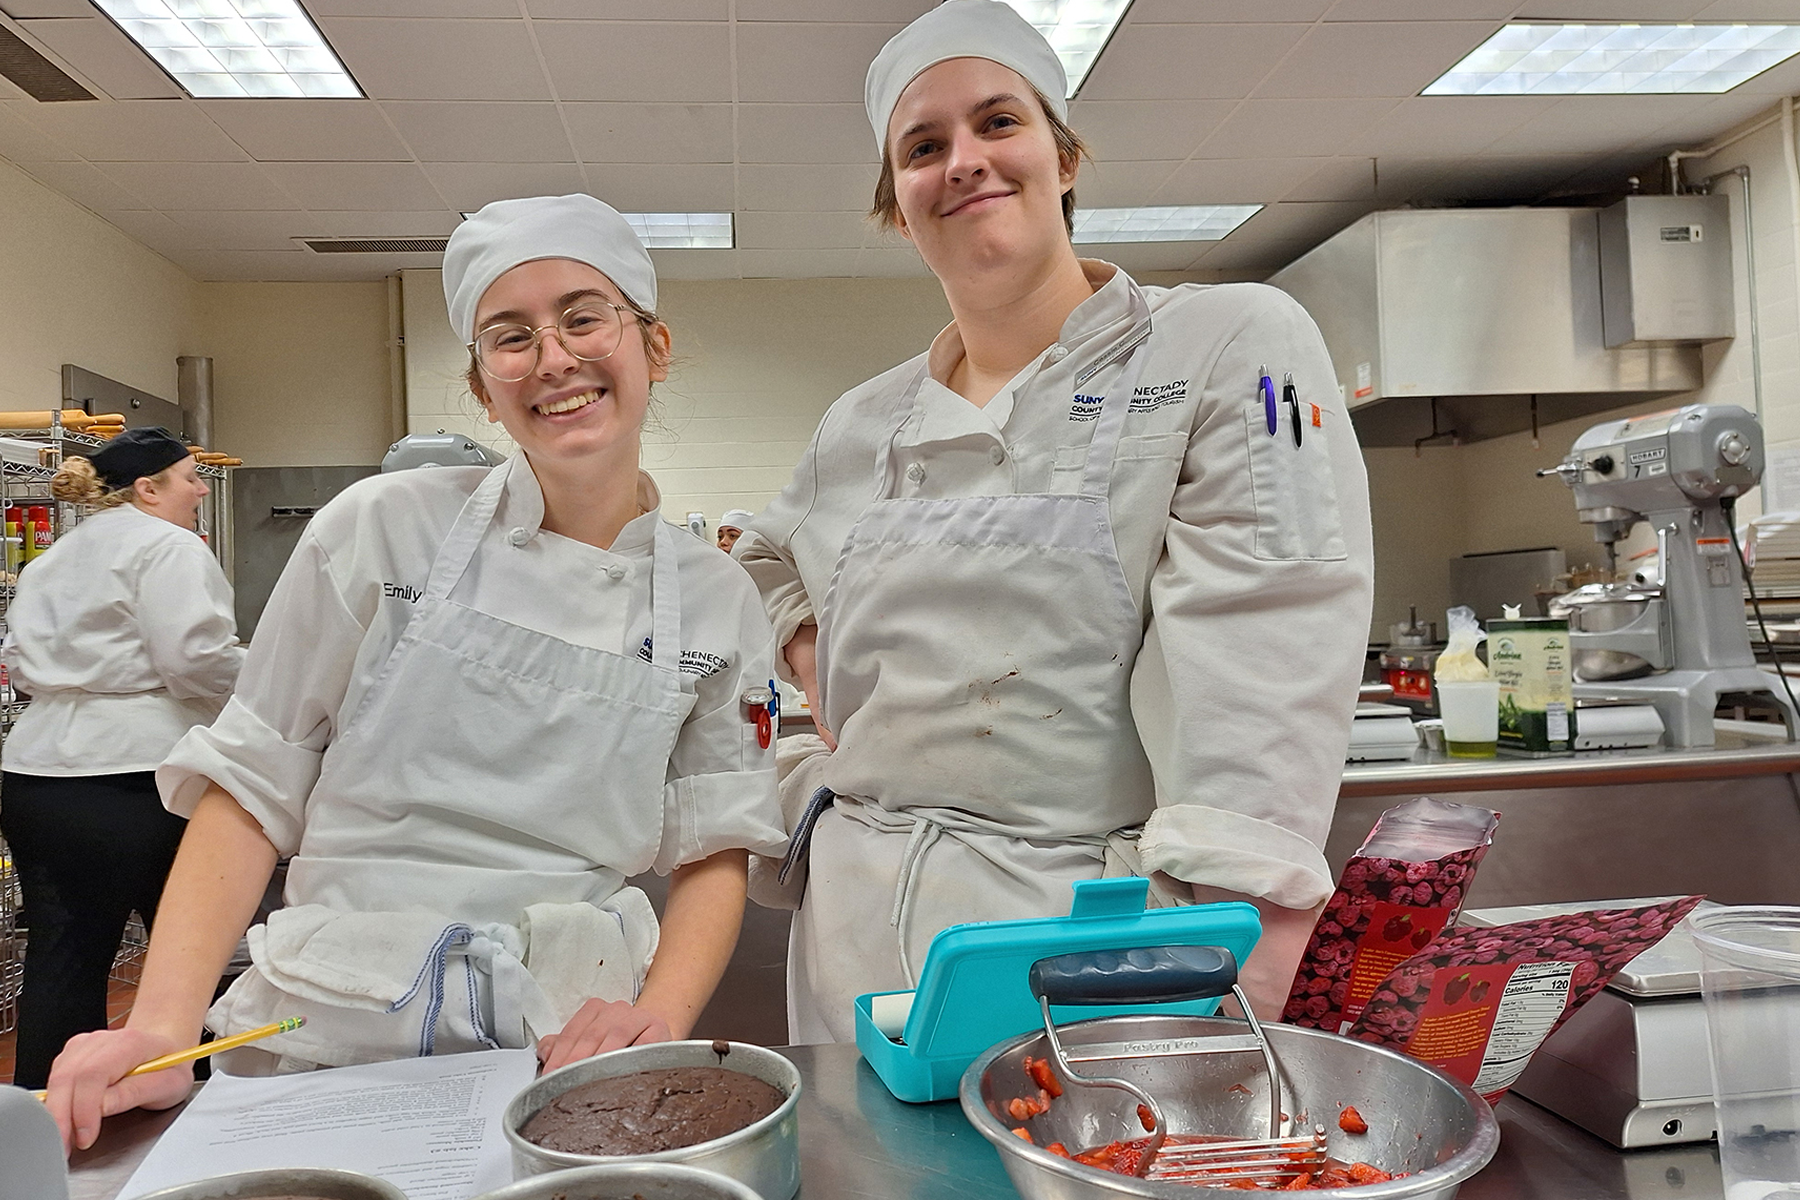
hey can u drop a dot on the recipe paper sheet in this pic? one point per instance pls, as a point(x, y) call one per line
point(429, 1126)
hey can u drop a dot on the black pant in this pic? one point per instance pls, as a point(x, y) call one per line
point(89, 849)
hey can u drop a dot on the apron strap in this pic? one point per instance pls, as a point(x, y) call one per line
point(1109, 425)
point(665, 603)
point(454, 556)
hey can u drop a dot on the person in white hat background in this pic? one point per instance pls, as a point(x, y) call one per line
point(478, 701)
point(731, 527)
point(1064, 605)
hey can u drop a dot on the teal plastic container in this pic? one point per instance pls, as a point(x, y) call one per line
point(973, 993)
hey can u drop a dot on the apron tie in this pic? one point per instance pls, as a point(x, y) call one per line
point(431, 978)
point(924, 836)
point(800, 845)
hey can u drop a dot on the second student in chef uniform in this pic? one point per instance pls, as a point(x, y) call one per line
point(1077, 607)
point(478, 701)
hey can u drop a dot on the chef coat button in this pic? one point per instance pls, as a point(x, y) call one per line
point(519, 536)
point(916, 472)
point(616, 571)
point(996, 456)
point(1058, 352)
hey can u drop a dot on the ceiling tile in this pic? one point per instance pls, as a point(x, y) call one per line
point(136, 131)
point(891, 262)
point(815, 62)
point(1412, 10)
point(650, 133)
point(90, 187)
point(1749, 11)
point(24, 10)
point(694, 264)
point(11, 92)
point(1176, 12)
point(440, 223)
point(218, 266)
point(1373, 58)
point(1146, 129)
point(153, 229)
point(797, 264)
point(1297, 128)
point(468, 186)
point(1449, 125)
point(1136, 258)
point(1309, 222)
point(1596, 124)
point(245, 230)
point(213, 187)
point(626, 10)
point(439, 59)
point(806, 187)
point(686, 61)
point(23, 142)
point(664, 187)
point(307, 130)
point(472, 131)
point(1609, 10)
point(1338, 179)
point(1235, 180)
point(345, 185)
point(98, 51)
point(892, 12)
point(1188, 62)
point(801, 231)
point(435, 9)
point(787, 133)
point(1111, 184)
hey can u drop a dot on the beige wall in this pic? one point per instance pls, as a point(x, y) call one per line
point(73, 289)
point(300, 371)
point(757, 363)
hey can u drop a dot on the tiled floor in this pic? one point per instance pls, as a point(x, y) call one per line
point(118, 1003)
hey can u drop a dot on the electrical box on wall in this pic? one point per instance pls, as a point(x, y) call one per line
point(1665, 270)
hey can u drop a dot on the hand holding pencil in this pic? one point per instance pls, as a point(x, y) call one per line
point(73, 1090)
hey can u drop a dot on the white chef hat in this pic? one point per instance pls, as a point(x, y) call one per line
point(737, 518)
point(509, 232)
point(962, 29)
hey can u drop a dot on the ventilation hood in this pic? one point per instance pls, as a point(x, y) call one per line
point(1476, 322)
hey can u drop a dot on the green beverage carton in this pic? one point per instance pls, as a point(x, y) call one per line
point(1531, 659)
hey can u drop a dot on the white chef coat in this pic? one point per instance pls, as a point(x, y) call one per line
point(342, 604)
point(1250, 563)
point(123, 635)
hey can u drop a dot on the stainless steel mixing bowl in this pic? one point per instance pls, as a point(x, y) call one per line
point(626, 1181)
point(1421, 1121)
point(765, 1155)
point(292, 1181)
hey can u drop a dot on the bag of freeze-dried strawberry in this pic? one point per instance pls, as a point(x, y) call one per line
point(1397, 892)
point(1480, 1001)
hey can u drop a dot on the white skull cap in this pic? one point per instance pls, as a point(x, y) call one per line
point(737, 518)
point(962, 29)
point(509, 232)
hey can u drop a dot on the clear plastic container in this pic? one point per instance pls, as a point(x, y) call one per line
point(1471, 712)
point(1750, 982)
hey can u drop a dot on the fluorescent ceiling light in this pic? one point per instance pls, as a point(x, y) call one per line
point(1076, 29)
point(678, 230)
point(1542, 60)
point(1164, 223)
point(235, 47)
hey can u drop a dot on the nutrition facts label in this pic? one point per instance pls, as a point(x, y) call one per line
point(1535, 997)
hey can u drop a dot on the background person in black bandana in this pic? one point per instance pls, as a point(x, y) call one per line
point(123, 635)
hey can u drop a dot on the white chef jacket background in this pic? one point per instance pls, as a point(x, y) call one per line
point(123, 634)
point(1254, 578)
point(348, 591)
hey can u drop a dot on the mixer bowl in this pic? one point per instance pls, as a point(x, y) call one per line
point(1602, 608)
point(1420, 1120)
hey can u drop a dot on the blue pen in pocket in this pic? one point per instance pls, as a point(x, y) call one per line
point(1268, 394)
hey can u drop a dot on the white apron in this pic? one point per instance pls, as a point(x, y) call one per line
point(448, 893)
point(1047, 635)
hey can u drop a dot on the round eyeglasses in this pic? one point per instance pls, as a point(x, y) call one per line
point(589, 331)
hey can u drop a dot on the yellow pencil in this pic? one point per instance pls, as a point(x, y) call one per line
point(205, 1049)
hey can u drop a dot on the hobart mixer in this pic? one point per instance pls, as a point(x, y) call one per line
point(1676, 640)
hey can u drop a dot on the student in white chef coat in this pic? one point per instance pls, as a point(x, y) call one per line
point(1075, 609)
point(123, 635)
point(478, 701)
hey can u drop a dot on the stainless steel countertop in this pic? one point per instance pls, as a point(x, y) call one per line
point(1739, 753)
point(858, 1143)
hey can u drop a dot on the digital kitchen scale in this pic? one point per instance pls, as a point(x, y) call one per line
point(973, 992)
point(1632, 1066)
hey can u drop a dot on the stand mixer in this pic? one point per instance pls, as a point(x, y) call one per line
point(1677, 640)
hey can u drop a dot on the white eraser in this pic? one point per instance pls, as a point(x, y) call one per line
point(889, 1013)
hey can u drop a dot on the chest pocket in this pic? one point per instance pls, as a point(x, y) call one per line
point(1293, 488)
point(1168, 447)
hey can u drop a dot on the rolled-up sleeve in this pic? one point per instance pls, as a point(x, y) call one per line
point(1246, 685)
point(184, 608)
point(720, 793)
point(266, 746)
